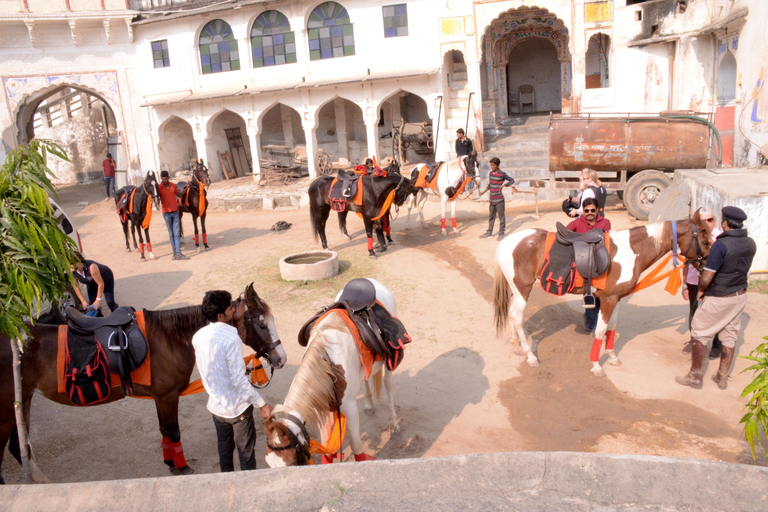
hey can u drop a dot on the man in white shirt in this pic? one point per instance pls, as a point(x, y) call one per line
point(231, 397)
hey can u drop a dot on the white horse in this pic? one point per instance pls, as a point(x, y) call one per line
point(450, 177)
point(330, 368)
point(519, 259)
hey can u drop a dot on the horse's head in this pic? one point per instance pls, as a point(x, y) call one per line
point(150, 187)
point(284, 446)
point(470, 165)
point(201, 175)
point(393, 168)
point(694, 239)
point(256, 327)
point(403, 190)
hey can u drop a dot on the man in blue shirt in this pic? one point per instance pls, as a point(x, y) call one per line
point(722, 295)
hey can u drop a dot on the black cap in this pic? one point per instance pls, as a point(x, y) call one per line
point(734, 213)
point(163, 174)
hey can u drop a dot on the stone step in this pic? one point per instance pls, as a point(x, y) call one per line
point(459, 76)
point(460, 95)
point(457, 86)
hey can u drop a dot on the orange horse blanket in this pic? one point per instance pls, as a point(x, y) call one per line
point(140, 375)
point(597, 282)
point(421, 181)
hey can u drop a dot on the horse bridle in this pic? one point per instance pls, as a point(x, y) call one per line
point(250, 319)
point(700, 258)
point(302, 451)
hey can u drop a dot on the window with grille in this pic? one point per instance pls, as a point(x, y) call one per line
point(218, 48)
point(272, 41)
point(330, 32)
point(395, 20)
point(160, 54)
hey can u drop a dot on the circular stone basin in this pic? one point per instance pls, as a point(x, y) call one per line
point(309, 266)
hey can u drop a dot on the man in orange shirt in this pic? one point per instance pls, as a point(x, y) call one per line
point(168, 192)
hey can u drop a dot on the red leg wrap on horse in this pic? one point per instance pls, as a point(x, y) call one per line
point(609, 337)
point(149, 247)
point(178, 455)
point(453, 223)
point(328, 459)
point(363, 456)
point(594, 356)
point(166, 446)
point(141, 248)
point(370, 243)
point(195, 238)
point(442, 223)
point(205, 238)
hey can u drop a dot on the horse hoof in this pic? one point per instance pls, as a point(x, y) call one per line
point(533, 363)
point(143, 259)
point(186, 470)
point(444, 233)
point(456, 232)
point(151, 256)
point(597, 372)
point(206, 248)
point(394, 429)
point(372, 256)
point(347, 237)
point(614, 362)
point(128, 249)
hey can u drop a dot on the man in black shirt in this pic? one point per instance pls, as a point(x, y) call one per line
point(723, 296)
point(463, 144)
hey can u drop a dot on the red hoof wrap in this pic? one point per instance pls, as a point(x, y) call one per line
point(166, 446)
point(149, 247)
point(328, 459)
point(442, 223)
point(362, 457)
point(205, 238)
point(141, 248)
point(370, 243)
point(594, 356)
point(453, 223)
point(178, 455)
point(609, 337)
point(195, 239)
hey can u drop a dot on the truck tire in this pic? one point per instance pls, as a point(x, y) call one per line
point(642, 190)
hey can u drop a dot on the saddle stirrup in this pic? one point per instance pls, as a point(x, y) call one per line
point(588, 301)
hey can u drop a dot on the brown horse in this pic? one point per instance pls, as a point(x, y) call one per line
point(137, 211)
point(519, 260)
point(194, 203)
point(172, 359)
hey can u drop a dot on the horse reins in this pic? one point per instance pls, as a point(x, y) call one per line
point(302, 451)
point(694, 240)
point(250, 319)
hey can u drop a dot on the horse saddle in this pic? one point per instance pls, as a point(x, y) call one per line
point(433, 168)
point(123, 195)
point(183, 187)
point(119, 334)
point(590, 254)
point(343, 190)
point(380, 332)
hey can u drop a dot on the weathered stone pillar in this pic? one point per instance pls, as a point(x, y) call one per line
point(285, 115)
point(342, 137)
point(253, 140)
point(311, 138)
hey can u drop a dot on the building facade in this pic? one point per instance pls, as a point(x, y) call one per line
point(160, 82)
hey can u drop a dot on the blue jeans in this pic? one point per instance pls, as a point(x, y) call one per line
point(590, 315)
point(173, 225)
point(109, 184)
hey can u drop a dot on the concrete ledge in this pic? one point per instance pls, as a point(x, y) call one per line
point(506, 481)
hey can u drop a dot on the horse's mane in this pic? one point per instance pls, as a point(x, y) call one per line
point(180, 323)
point(262, 306)
point(318, 383)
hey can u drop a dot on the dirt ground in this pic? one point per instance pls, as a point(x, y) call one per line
point(460, 388)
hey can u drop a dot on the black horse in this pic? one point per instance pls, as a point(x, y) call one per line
point(133, 205)
point(195, 203)
point(376, 190)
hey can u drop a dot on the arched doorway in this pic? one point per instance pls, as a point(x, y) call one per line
point(725, 110)
point(503, 58)
point(176, 145)
point(533, 75)
point(82, 122)
point(403, 107)
point(281, 132)
point(227, 135)
point(341, 131)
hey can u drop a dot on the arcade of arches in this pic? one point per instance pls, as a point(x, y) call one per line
point(525, 60)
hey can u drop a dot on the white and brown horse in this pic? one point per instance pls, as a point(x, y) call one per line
point(519, 259)
point(448, 184)
point(328, 380)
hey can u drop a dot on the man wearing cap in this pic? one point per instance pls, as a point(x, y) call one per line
point(168, 192)
point(722, 295)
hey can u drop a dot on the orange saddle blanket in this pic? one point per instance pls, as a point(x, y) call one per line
point(140, 375)
point(597, 282)
point(421, 181)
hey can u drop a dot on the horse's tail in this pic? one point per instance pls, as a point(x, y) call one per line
point(315, 231)
point(501, 297)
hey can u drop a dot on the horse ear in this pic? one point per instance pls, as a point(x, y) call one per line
point(251, 296)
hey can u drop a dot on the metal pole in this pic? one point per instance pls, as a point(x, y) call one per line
point(469, 104)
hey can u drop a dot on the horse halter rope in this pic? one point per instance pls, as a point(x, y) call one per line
point(302, 450)
point(700, 258)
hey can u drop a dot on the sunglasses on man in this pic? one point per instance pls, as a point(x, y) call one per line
point(590, 210)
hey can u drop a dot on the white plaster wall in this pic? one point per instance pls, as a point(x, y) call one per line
point(176, 146)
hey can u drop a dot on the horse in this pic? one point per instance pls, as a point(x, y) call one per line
point(376, 191)
point(133, 205)
point(191, 202)
point(450, 181)
point(327, 381)
point(172, 359)
point(519, 260)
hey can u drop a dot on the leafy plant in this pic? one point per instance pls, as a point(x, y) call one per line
point(757, 406)
point(34, 258)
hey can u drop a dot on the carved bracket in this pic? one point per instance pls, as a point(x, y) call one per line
point(73, 30)
point(31, 28)
point(130, 29)
point(106, 30)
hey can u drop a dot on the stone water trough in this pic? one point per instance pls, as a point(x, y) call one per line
point(309, 266)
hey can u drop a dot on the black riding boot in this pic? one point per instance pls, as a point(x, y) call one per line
point(693, 379)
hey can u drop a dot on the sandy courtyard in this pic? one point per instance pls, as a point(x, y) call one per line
point(460, 388)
